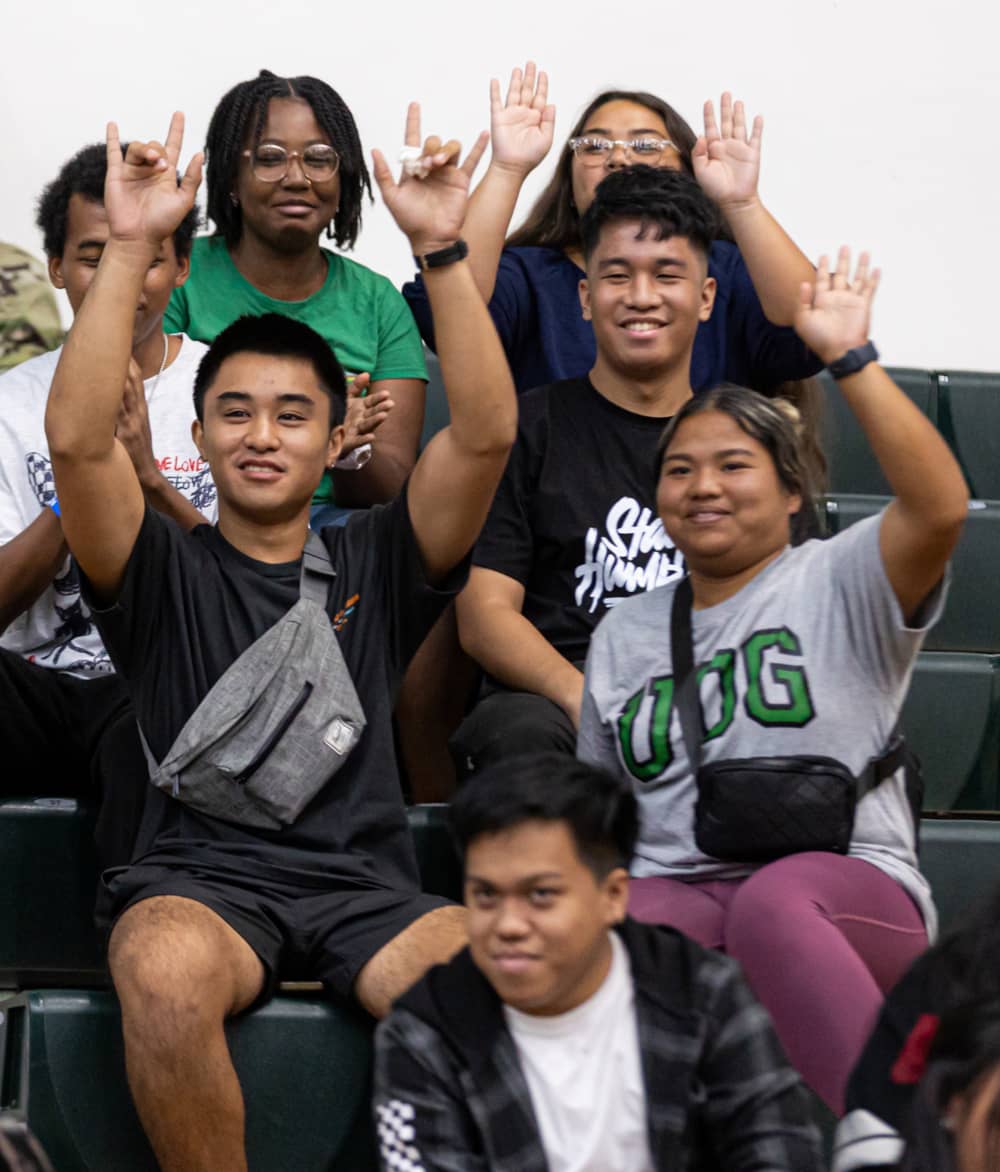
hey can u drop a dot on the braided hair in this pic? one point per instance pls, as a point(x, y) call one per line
point(245, 107)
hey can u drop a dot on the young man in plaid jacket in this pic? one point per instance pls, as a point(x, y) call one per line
point(568, 1036)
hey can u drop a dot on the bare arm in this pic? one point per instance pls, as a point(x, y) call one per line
point(521, 130)
point(727, 165)
point(455, 478)
point(99, 492)
point(510, 647)
point(395, 407)
point(924, 520)
point(28, 563)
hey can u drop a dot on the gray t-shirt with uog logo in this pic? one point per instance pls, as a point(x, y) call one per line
point(813, 657)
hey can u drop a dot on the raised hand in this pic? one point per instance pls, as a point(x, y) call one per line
point(365, 413)
point(143, 199)
point(430, 210)
point(725, 158)
point(834, 312)
point(132, 428)
point(521, 127)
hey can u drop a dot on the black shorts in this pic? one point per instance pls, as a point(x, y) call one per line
point(299, 934)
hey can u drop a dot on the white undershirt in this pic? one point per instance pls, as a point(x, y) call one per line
point(585, 1077)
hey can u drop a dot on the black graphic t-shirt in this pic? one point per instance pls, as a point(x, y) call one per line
point(192, 603)
point(574, 519)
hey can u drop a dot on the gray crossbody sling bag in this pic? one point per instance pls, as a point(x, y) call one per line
point(279, 722)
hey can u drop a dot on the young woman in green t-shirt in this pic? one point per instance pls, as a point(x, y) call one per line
point(285, 165)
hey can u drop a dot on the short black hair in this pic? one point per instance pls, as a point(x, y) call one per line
point(84, 175)
point(671, 202)
point(243, 111)
point(278, 336)
point(599, 810)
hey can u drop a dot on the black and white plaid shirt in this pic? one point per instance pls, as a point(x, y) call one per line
point(450, 1095)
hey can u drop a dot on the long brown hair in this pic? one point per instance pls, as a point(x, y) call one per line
point(553, 221)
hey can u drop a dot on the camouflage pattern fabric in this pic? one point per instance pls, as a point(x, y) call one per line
point(29, 315)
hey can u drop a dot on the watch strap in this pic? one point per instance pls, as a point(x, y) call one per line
point(854, 360)
point(443, 256)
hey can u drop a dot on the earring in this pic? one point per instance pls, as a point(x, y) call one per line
point(234, 199)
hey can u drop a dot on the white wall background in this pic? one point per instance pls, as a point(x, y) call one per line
point(880, 115)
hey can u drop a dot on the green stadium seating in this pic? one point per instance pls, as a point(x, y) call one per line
point(304, 1065)
point(969, 418)
point(437, 858)
point(961, 859)
point(48, 880)
point(971, 620)
point(852, 466)
point(951, 718)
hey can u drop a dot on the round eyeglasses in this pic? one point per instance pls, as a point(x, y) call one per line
point(270, 162)
point(594, 152)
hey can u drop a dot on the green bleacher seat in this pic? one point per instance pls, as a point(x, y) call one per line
point(961, 859)
point(852, 466)
point(48, 880)
point(951, 718)
point(971, 620)
point(440, 869)
point(969, 418)
point(304, 1065)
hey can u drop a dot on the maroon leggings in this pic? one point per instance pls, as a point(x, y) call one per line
point(821, 939)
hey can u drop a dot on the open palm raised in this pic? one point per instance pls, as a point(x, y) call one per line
point(834, 312)
point(144, 201)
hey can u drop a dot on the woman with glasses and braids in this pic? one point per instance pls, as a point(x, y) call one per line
point(285, 168)
point(531, 279)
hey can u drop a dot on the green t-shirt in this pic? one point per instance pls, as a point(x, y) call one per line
point(360, 313)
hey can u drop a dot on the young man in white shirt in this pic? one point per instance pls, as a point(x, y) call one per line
point(567, 1037)
point(67, 722)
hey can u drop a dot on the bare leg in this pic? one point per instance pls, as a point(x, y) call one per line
point(433, 939)
point(179, 971)
point(430, 706)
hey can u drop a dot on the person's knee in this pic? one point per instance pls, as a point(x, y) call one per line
point(168, 966)
point(432, 939)
point(509, 724)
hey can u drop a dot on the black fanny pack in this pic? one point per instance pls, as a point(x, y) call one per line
point(756, 809)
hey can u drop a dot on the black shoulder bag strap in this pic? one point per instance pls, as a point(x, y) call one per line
point(317, 573)
point(896, 754)
point(685, 677)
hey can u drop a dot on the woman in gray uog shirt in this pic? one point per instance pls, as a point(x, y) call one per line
point(799, 651)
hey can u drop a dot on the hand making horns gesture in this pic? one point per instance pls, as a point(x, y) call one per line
point(431, 209)
point(144, 201)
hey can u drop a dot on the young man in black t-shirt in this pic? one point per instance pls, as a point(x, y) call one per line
point(573, 528)
point(211, 914)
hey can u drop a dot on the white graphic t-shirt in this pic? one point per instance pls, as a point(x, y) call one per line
point(57, 631)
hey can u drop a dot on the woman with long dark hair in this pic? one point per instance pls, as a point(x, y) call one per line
point(530, 279)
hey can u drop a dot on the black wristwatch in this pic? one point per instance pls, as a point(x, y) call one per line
point(444, 256)
point(854, 360)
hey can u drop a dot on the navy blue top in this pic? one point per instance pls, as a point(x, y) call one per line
point(536, 309)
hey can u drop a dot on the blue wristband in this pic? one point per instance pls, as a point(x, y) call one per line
point(55, 506)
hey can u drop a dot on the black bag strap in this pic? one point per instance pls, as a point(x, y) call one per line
point(685, 677)
point(689, 712)
point(897, 753)
point(317, 573)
